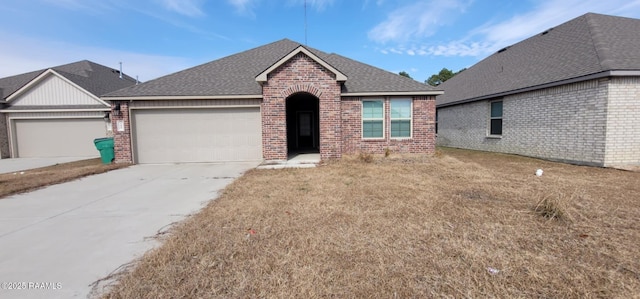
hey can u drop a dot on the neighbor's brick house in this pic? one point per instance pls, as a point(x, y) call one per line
point(269, 102)
point(570, 93)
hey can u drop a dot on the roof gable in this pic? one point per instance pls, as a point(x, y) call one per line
point(51, 88)
point(262, 77)
point(580, 48)
point(92, 77)
point(13, 83)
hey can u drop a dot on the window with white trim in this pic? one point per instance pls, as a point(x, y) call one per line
point(400, 118)
point(373, 119)
point(495, 123)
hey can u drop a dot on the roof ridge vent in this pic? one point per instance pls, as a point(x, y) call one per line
point(546, 31)
point(504, 49)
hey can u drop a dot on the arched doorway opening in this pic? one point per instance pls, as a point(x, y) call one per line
point(303, 124)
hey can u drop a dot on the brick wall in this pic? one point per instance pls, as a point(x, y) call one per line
point(623, 122)
point(565, 123)
point(4, 136)
point(121, 140)
point(422, 140)
point(300, 74)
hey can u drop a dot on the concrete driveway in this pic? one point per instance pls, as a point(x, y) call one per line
point(18, 164)
point(58, 240)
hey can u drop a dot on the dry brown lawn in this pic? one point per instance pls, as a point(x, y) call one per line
point(459, 224)
point(29, 180)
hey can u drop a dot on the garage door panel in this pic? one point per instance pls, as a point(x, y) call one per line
point(57, 137)
point(197, 135)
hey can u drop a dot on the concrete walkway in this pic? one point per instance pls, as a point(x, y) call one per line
point(294, 161)
point(58, 240)
point(19, 164)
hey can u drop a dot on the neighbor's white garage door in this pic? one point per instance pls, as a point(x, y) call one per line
point(197, 135)
point(57, 137)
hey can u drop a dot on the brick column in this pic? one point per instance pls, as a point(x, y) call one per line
point(330, 125)
point(274, 125)
point(121, 139)
point(4, 136)
point(424, 128)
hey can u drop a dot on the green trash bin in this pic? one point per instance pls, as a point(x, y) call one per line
point(105, 147)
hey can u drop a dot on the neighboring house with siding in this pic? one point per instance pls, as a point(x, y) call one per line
point(268, 103)
point(570, 93)
point(57, 111)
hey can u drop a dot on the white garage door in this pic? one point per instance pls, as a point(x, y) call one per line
point(57, 137)
point(197, 135)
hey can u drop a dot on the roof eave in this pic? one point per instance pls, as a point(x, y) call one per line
point(190, 97)
point(610, 73)
point(392, 93)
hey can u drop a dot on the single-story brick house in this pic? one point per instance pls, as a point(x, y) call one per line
point(269, 102)
point(57, 112)
point(570, 93)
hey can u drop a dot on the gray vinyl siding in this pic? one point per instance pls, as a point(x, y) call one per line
point(54, 91)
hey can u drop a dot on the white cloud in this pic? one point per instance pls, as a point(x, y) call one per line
point(490, 37)
point(190, 8)
point(417, 20)
point(244, 7)
point(457, 48)
point(28, 54)
point(545, 15)
point(177, 22)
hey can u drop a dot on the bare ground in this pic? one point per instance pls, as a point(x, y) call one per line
point(29, 180)
point(459, 224)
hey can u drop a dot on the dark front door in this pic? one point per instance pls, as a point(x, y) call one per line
point(305, 132)
point(303, 126)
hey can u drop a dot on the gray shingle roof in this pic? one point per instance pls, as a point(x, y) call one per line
point(95, 78)
point(236, 75)
point(587, 45)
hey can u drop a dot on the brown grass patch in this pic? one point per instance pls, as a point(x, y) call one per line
point(460, 224)
point(366, 157)
point(32, 179)
point(556, 204)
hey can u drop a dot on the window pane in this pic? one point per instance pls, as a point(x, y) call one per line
point(496, 127)
point(400, 128)
point(372, 109)
point(372, 129)
point(400, 108)
point(496, 109)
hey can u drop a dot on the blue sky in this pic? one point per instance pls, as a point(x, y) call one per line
point(153, 38)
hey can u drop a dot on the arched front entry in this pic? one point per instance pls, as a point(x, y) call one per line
point(303, 123)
